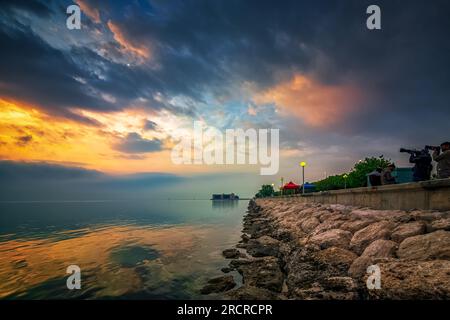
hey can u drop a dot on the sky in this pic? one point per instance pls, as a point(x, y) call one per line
point(109, 101)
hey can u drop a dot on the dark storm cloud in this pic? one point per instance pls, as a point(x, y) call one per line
point(12, 170)
point(212, 47)
point(402, 70)
point(33, 71)
point(50, 181)
point(33, 6)
point(134, 143)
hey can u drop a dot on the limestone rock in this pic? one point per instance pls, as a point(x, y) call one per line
point(355, 225)
point(337, 257)
point(381, 249)
point(263, 246)
point(309, 224)
point(407, 230)
point(362, 238)
point(251, 293)
point(320, 293)
point(332, 238)
point(435, 245)
point(415, 280)
point(345, 284)
point(231, 253)
point(441, 224)
point(219, 284)
point(263, 273)
point(427, 215)
point(377, 249)
point(327, 225)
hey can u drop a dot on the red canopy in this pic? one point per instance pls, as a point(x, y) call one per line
point(291, 185)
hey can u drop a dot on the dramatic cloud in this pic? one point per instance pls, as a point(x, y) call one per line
point(134, 48)
point(89, 10)
point(311, 69)
point(318, 105)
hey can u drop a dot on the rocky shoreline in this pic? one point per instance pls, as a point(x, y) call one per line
point(292, 250)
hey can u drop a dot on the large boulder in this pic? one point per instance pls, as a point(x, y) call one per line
point(435, 245)
point(318, 292)
point(345, 284)
point(355, 225)
point(413, 280)
point(263, 246)
point(231, 253)
point(381, 249)
point(362, 238)
point(331, 238)
point(262, 273)
point(309, 224)
point(378, 215)
point(407, 230)
point(251, 293)
point(219, 284)
point(327, 225)
point(336, 257)
point(377, 249)
point(427, 216)
point(441, 224)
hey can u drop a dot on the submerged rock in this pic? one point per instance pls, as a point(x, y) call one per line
point(231, 253)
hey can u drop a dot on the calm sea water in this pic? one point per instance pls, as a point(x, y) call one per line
point(155, 249)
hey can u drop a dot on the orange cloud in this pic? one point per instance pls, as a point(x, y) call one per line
point(316, 104)
point(29, 134)
point(93, 250)
point(121, 38)
point(91, 12)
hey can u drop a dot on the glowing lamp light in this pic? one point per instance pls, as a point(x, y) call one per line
point(303, 164)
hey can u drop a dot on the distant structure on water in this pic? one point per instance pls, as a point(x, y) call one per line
point(224, 196)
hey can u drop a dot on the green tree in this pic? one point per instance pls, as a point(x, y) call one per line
point(356, 178)
point(265, 191)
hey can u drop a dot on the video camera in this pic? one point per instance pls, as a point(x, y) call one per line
point(410, 151)
point(414, 151)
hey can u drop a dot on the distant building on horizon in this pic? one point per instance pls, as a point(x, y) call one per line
point(225, 196)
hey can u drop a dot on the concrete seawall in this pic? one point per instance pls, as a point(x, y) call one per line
point(428, 195)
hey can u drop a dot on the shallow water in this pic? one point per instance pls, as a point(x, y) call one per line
point(155, 249)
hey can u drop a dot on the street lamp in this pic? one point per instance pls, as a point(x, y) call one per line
point(303, 165)
point(345, 181)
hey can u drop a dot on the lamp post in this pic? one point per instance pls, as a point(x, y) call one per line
point(345, 181)
point(303, 165)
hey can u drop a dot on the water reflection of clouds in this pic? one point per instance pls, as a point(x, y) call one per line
point(115, 260)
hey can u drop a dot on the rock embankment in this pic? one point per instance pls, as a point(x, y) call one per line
point(316, 251)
